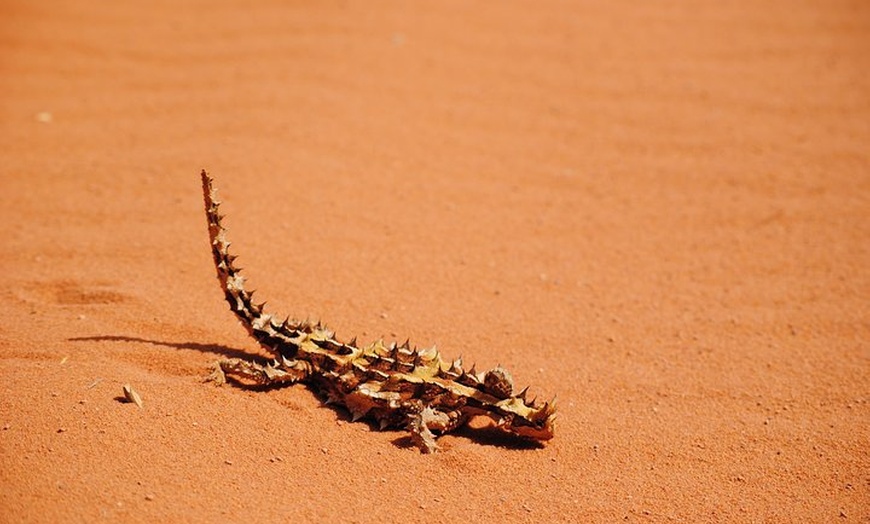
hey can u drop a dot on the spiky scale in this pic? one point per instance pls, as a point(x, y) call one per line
point(522, 394)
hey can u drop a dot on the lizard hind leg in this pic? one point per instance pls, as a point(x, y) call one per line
point(255, 374)
point(421, 422)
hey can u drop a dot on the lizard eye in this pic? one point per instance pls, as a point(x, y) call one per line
point(498, 382)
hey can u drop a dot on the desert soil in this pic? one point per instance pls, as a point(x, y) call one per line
point(658, 212)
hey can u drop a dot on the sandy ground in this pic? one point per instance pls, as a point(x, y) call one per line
point(656, 211)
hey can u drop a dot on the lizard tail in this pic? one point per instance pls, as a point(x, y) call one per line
point(259, 324)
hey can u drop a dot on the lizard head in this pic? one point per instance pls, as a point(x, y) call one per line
point(514, 415)
point(533, 422)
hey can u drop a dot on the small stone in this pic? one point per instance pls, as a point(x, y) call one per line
point(61, 430)
point(149, 496)
point(228, 462)
point(132, 396)
point(6, 426)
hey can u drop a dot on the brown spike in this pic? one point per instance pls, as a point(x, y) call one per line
point(522, 394)
point(352, 342)
point(552, 404)
point(407, 344)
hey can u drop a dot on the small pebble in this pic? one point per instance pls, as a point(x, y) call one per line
point(132, 396)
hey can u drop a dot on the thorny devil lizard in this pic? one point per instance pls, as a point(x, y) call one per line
point(397, 386)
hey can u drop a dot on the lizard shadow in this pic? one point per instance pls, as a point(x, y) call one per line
point(216, 349)
point(488, 435)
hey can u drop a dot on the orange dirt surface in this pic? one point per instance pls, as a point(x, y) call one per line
point(658, 212)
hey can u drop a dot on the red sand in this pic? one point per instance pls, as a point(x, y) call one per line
point(657, 211)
